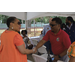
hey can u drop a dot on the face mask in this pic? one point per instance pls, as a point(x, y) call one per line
point(67, 23)
point(63, 28)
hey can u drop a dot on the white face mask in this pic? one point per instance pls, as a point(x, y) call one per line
point(63, 28)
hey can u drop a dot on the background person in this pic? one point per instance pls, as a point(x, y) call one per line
point(26, 39)
point(47, 44)
point(70, 29)
point(71, 52)
point(12, 47)
point(63, 27)
point(41, 36)
point(59, 44)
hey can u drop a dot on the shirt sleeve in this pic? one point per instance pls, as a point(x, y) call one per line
point(46, 37)
point(66, 41)
point(18, 40)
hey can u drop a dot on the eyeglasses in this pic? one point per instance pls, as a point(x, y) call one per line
point(19, 23)
point(53, 25)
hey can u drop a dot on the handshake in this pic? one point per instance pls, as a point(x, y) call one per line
point(34, 50)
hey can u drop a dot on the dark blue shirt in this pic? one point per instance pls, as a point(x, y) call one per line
point(71, 32)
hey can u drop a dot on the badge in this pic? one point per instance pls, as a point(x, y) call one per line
point(57, 39)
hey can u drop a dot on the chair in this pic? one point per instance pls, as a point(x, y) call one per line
point(38, 58)
point(42, 49)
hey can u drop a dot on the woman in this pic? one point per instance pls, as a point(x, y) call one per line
point(71, 52)
point(26, 39)
point(12, 48)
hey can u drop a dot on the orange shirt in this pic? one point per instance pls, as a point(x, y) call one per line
point(71, 50)
point(8, 49)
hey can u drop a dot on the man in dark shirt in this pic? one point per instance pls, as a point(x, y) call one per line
point(70, 29)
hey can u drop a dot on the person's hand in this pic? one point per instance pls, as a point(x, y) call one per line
point(35, 50)
point(56, 58)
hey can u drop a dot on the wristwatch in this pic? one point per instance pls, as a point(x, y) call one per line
point(59, 56)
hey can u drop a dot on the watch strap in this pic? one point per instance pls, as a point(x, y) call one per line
point(59, 56)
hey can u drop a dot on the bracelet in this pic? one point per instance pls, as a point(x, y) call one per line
point(33, 50)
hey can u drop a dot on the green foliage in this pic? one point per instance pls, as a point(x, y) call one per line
point(46, 19)
point(63, 19)
point(3, 18)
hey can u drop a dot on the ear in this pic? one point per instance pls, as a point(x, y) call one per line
point(11, 24)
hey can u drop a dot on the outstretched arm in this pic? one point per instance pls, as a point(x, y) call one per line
point(40, 44)
point(23, 50)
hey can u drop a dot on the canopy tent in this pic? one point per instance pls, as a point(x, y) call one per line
point(20, 15)
point(31, 15)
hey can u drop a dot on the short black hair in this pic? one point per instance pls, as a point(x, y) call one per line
point(24, 31)
point(9, 20)
point(70, 18)
point(57, 20)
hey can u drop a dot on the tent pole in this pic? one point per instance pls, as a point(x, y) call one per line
point(26, 23)
point(34, 27)
point(26, 20)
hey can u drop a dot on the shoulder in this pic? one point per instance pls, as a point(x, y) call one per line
point(49, 32)
point(18, 35)
point(73, 25)
point(18, 40)
point(46, 26)
point(64, 33)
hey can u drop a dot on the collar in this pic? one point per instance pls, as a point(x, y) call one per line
point(57, 33)
point(70, 26)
